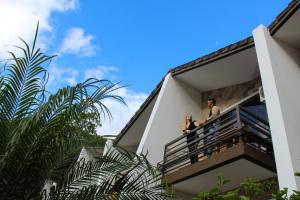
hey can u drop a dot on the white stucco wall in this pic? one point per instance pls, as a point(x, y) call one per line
point(175, 100)
point(130, 141)
point(280, 74)
point(108, 146)
point(90, 153)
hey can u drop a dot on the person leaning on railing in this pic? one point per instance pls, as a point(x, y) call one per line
point(188, 125)
point(210, 128)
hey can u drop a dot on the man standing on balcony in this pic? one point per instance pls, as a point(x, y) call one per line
point(210, 125)
point(214, 110)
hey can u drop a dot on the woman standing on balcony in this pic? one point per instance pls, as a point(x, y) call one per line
point(188, 126)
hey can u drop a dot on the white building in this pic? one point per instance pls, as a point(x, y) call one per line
point(254, 138)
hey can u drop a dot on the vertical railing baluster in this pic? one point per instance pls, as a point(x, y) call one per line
point(164, 161)
point(238, 117)
point(239, 122)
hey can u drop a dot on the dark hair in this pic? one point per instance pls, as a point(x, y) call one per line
point(212, 99)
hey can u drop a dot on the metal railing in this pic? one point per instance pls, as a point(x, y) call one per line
point(233, 126)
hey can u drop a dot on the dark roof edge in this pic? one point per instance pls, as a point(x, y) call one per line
point(284, 16)
point(240, 45)
point(139, 111)
point(216, 55)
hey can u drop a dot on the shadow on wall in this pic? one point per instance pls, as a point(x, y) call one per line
point(228, 96)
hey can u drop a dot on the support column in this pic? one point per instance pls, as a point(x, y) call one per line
point(280, 74)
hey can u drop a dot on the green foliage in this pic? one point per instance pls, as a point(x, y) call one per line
point(118, 174)
point(212, 194)
point(221, 181)
point(249, 190)
point(284, 195)
point(42, 134)
point(85, 122)
point(270, 186)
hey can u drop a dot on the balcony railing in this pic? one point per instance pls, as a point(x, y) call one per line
point(217, 135)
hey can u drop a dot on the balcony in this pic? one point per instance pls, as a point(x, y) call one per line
point(237, 143)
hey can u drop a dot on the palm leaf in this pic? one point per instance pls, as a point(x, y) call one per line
point(24, 83)
point(29, 139)
point(34, 135)
point(116, 175)
point(38, 139)
point(22, 88)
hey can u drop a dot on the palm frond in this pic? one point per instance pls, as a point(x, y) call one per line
point(39, 139)
point(21, 88)
point(24, 83)
point(116, 175)
point(28, 143)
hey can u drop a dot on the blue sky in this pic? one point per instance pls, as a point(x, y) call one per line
point(134, 41)
point(146, 38)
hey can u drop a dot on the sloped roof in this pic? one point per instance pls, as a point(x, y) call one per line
point(231, 49)
point(284, 16)
point(221, 53)
point(140, 110)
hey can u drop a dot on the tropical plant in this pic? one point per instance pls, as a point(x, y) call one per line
point(116, 175)
point(285, 195)
point(41, 133)
point(216, 192)
point(249, 190)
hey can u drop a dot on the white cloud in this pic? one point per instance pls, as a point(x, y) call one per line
point(121, 113)
point(76, 42)
point(71, 80)
point(19, 18)
point(59, 77)
point(101, 72)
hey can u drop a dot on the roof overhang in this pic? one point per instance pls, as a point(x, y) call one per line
point(226, 71)
point(149, 101)
point(215, 56)
point(283, 18)
point(133, 136)
point(289, 31)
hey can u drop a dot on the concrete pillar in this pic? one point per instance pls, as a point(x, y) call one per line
point(280, 74)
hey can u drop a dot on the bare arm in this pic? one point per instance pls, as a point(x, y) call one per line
point(215, 111)
point(184, 130)
point(196, 123)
